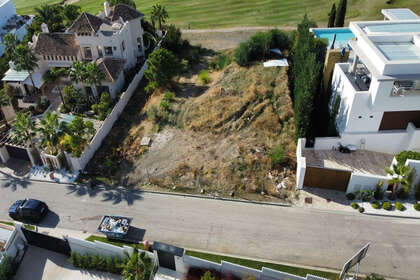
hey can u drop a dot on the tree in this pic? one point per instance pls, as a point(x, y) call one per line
point(94, 75)
point(102, 109)
point(138, 267)
point(26, 60)
point(54, 76)
point(51, 15)
point(23, 129)
point(401, 175)
point(4, 101)
point(51, 130)
point(10, 44)
point(163, 65)
point(77, 73)
point(341, 13)
point(159, 14)
point(127, 2)
point(77, 137)
point(71, 12)
point(75, 100)
point(331, 16)
point(207, 276)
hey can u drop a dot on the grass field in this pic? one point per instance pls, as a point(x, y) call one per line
point(227, 13)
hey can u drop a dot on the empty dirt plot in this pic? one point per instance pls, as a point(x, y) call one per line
point(214, 138)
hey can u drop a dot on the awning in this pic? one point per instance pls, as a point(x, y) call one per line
point(277, 51)
point(23, 76)
point(276, 63)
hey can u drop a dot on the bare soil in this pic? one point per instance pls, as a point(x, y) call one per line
point(218, 141)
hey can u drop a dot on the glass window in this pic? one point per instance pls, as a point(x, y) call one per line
point(88, 52)
point(123, 46)
point(108, 51)
point(100, 53)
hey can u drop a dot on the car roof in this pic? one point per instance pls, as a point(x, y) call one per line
point(31, 203)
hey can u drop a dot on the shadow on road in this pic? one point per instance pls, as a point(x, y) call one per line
point(51, 220)
point(112, 194)
point(12, 182)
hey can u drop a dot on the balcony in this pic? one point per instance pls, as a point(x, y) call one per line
point(359, 80)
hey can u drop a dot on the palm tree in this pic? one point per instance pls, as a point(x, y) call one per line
point(54, 76)
point(51, 130)
point(94, 75)
point(138, 267)
point(26, 60)
point(4, 101)
point(78, 135)
point(23, 129)
point(50, 15)
point(159, 14)
point(401, 175)
point(77, 74)
point(10, 44)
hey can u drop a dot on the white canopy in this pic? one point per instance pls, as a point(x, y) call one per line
point(276, 63)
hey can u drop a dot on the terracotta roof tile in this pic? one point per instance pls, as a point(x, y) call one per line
point(126, 12)
point(112, 67)
point(87, 23)
point(63, 44)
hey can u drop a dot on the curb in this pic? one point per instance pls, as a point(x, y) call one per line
point(392, 216)
point(167, 193)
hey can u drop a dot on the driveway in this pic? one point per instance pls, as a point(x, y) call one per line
point(280, 234)
point(41, 264)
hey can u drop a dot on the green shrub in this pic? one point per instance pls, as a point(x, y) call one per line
point(350, 196)
point(374, 276)
point(278, 155)
point(399, 206)
point(8, 268)
point(417, 206)
point(102, 109)
point(387, 206)
point(404, 155)
point(378, 193)
point(204, 77)
point(220, 61)
point(163, 65)
point(361, 209)
point(169, 96)
point(242, 54)
point(376, 205)
point(96, 262)
point(354, 205)
point(165, 105)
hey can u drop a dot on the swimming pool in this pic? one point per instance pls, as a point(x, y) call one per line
point(343, 35)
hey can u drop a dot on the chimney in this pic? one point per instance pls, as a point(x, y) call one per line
point(44, 28)
point(107, 9)
point(12, 65)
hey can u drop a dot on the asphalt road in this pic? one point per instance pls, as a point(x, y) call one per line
point(282, 234)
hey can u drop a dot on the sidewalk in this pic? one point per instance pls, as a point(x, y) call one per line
point(409, 211)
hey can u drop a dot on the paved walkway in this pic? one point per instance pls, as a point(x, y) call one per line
point(41, 264)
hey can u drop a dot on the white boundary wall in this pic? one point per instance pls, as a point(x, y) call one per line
point(240, 271)
point(81, 162)
point(301, 163)
point(390, 142)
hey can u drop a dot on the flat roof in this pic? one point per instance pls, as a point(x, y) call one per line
point(399, 14)
point(15, 76)
point(393, 27)
point(399, 50)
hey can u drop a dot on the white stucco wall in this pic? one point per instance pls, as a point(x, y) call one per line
point(365, 182)
point(301, 163)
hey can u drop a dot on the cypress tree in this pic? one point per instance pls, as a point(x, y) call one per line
point(331, 16)
point(341, 13)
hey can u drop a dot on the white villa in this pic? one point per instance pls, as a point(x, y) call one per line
point(378, 92)
point(113, 39)
point(12, 23)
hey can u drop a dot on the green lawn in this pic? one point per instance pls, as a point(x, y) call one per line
point(116, 243)
point(258, 265)
point(226, 13)
point(31, 227)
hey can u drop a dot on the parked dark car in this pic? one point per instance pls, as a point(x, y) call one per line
point(28, 210)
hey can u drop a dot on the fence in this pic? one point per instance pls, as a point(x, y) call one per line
point(80, 162)
point(227, 268)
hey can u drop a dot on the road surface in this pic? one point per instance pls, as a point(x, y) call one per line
point(282, 234)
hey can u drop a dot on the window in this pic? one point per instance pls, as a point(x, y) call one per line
point(100, 53)
point(88, 52)
point(108, 51)
point(56, 57)
point(123, 46)
point(44, 57)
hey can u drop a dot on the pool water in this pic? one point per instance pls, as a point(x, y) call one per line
point(343, 35)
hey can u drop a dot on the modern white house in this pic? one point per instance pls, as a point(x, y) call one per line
point(377, 97)
point(12, 23)
point(113, 39)
point(379, 91)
